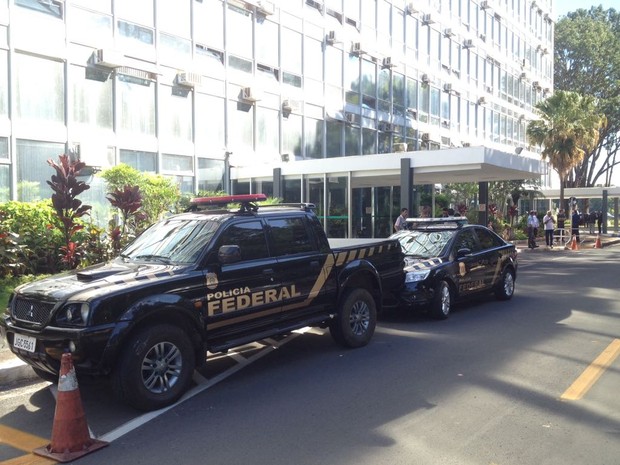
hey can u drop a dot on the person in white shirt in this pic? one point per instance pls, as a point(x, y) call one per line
point(549, 224)
point(532, 229)
point(401, 221)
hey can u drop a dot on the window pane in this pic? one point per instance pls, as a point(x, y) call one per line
point(175, 115)
point(5, 179)
point(4, 148)
point(291, 135)
point(173, 16)
point(140, 11)
point(209, 123)
point(291, 50)
point(250, 238)
point(51, 7)
point(209, 12)
point(210, 175)
point(290, 236)
point(142, 161)
point(4, 83)
point(137, 113)
point(240, 126)
point(39, 99)
point(313, 65)
point(174, 50)
point(267, 132)
point(314, 138)
point(33, 170)
point(238, 31)
point(92, 100)
point(266, 38)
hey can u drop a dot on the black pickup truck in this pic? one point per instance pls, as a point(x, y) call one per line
point(201, 281)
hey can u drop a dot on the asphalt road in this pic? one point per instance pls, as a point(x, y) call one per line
point(503, 383)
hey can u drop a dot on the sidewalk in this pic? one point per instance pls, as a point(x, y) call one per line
point(587, 241)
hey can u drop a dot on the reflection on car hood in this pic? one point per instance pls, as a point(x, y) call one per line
point(414, 264)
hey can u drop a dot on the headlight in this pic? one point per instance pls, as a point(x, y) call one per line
point(415, 276)
point(74, 314)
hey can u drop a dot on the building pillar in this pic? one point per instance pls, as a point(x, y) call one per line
point(483, 203)
point(604, 210)
point(615, 215)
point(277, 184)
point(406, 187)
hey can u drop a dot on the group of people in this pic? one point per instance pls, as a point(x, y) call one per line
point(549, 225)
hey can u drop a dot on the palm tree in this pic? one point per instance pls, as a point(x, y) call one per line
point(567, 130)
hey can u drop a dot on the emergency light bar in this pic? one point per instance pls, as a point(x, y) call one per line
point(225, 200)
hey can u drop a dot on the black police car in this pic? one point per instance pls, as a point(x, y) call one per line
point(447, 259)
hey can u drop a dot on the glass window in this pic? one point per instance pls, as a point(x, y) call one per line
point(137, 102)
point(369, 141)
point(92, 100)
point(173, 16)
point(50, 7)
point(291, 135)
point(4, 83)
point(5, 182)
point(352, 141)
point(39, 99)
point(313, 58)
point(99, 5)
point(291, 50)
point(333, 62)
point(175, 115)
point(177, 163)
point(135, 34)
point(88, 27)
point(240, 126)
point(210, 123)
point(369, 84)
point(210, 175)
point(465, 240)
point(290, 236)
point(333, 142)
point(140, 11)
point(174, 50)
point(238, 31)
point(292, 189)
point(250, 238)
point(4, 148)
point(210, 61)
point(314, 138)
point(337, 220)
point(33, 172)
point(267, 43)
point(142, 161)
point(267, 132)
point(209, 12)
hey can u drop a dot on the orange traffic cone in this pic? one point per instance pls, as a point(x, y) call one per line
point(70, 436)
point(597, 243)
point(574, 245)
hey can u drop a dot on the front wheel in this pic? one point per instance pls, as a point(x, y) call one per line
point(442, 301)
point(506, 286)
point(155, 368)
point(356, 321)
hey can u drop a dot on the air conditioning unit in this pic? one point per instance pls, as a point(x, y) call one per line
point(426, 137)
point(386, 127)
point(468, 43)
point(482, 101)
point(107, 58)
point(357, 48)
point(445, 123)
point(523, 76)
point(289, 105)
point(484, 4)
point(483, 37)
point(447, 87)
point(536, 84)
point(387, 63)
point(332, 37)
point(249, 94)
point(350, 118)
point(425, 79)
point(266, 8)
point(400, 147)
point(412, 112)
point(427, 19)
point(189, 79)
point(448, 32)
point(410, 8)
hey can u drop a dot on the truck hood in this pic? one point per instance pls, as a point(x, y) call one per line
point(96, 280)
point(417, 264)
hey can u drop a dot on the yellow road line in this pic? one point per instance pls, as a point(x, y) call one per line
point(29, 459)
point(591, 374)
point(26, 442)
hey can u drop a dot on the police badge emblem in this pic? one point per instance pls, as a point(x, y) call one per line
point(212, 280)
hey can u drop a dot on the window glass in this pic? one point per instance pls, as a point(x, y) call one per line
point(92, 100)
point(4, 83)
point(352, 141)
point(266, 43)
point(50, 7)
point(33, 172)
point(291, 50)
point(5, 181)
point(4, 148)
point(250, 238)
point(137, 102)
point(240, 126)
point(135, 34)
point(487, 239)
point(39, 99)
point(210, 175)
point(140, 11)
point(210, 124)
point(177, 163)
point(369, 84)
point(174, 50)
point(292, 189)
point(290, 236)
point(291, 135)
point(337, 223)
point(209, 22)
point(267, 131)
point(369, 141)
point(173, 16)
point(142, 161)
point(88, 27)
point(333, 62)
point(314, 138)
point(465, 240)
point(313, 59)
point(99, 5)
point(209, 61)
point(238, 31)
point(333, 142)
point(175, 115)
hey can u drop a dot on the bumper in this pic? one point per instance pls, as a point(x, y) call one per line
point(87, 346)
point(416, 294)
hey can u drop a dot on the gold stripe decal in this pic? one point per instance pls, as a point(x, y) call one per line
point(318, 284)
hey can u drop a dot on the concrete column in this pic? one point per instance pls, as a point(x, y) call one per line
point(483, 203)
point(604, 210)
point(406, 187)
point(277, 183)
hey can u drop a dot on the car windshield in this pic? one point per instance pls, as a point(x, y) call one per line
point(172, 241)
point(424, 244)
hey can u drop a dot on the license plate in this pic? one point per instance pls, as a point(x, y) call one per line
point(26, 343)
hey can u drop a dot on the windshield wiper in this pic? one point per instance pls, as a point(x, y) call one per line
point(157, 258)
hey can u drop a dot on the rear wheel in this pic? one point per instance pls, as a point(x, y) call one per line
point(356, 321)
point(442, 301)
point(155, 368)
point(506, 286)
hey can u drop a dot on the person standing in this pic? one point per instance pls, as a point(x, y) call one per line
point(549, 223)
point(532, 229)
point(599, 221)
point(574, 224)
point(401, 222)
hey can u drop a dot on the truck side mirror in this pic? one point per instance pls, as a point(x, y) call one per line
point(229, 254)
point(463, 252)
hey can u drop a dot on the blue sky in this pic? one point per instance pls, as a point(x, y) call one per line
point(561, 7)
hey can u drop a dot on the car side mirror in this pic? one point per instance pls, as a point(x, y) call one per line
point(463, 252)
point(229, 254)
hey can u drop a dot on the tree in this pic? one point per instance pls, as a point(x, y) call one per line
point(587, 61)
point(568, 128)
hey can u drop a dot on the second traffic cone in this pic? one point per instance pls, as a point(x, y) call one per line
point(574, 245)
point(70, 436)
point(597, 243)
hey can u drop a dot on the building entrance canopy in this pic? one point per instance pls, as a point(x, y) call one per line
point(467, 164)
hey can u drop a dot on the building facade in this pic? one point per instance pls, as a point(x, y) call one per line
point(289, 98)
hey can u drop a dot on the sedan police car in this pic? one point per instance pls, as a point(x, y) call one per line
point(448, 260)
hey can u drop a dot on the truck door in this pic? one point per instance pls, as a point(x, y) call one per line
point(304, 268)
point(242, 296)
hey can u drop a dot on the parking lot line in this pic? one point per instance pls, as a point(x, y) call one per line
point(593, 372)
point(25, 442)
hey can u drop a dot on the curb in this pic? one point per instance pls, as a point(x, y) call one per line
point(12, 369)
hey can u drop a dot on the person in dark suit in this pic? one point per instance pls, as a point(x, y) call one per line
point(574, 224)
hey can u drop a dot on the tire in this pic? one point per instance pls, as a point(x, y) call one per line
point(506, 287)
point(356, 320)
point(46, 375)
point(155, 368)
point(442, 301)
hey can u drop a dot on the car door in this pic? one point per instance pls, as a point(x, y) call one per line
point(491, 255)
point(471, 264)
point(241, 296)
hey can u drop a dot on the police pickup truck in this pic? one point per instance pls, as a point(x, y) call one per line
point(201, 281)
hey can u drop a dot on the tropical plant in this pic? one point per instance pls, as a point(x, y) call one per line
point(567, 129)
point(128, 201)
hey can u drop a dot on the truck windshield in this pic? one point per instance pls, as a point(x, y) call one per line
point(174, 241)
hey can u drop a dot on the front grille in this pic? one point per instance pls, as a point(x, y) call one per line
point(32, 311)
